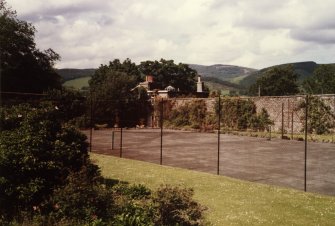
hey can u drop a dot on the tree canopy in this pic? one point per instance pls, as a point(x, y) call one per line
point(322, 81)
point(276, 81)
point(115, 101)
point(24, 68)
point(166, 72)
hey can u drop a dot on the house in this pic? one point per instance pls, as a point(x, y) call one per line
point(148, 85)
point(169, 91)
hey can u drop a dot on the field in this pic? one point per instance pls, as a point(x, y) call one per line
point(229, 201)
point(78, 83)
point(275, 162)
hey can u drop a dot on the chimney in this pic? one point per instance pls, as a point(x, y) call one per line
point(199, 85)
point(149, 78)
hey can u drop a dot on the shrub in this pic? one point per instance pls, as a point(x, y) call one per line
point(70, 103)
point(37, 153)
point(134, 204)
point(242, 114)
point(83, 198)
point(321, 119)
point(191, 114)
point(175, 206)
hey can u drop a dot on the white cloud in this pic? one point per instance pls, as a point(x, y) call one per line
point(244, 32)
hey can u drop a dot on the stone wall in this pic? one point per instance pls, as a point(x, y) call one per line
point(284, 111)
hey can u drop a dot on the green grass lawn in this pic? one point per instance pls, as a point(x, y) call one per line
point(229, 201)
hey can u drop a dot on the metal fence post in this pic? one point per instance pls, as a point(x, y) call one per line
point(282, 121)
point(306, 128)
point(219, 128)
point(113, 140)
point(161, 124)
point(91, 120)
point(121, 143)
point(292, 124)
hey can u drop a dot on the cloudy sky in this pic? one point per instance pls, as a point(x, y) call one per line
point(252, 33)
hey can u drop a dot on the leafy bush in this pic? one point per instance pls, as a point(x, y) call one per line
point(70, 103)
point(321, 118)
point(166, 206)
point(242, 114)
point(83, 198)
point(176, 207)
point(37, 153)
point(134, 205)
point(191, 114)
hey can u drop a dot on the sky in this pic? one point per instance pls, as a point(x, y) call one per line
point(250, 33)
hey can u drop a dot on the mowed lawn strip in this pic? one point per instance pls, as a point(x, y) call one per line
point(229, 201)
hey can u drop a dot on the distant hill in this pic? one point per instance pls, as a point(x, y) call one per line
point(216, 84)
point(223, 72)
point(304, 69)
point(223, 77)
point(72, 73)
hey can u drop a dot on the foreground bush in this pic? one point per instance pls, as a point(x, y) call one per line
point(37, 153)
point(175, 206)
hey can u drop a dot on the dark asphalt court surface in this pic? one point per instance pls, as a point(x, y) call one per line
point(276, 162)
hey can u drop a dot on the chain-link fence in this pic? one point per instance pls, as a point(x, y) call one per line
point(287, 141)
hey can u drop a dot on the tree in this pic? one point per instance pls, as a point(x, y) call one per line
point(115, 101)
point(166, 72)
point(322, 81)
point(69, 102)
point(23, 67)
point(276, 81)
point(126, 67)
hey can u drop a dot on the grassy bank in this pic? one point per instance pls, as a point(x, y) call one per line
point(229, 201)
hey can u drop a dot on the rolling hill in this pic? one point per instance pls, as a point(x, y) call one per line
point(223, 77)
point(223, 72)
point(304, 69)
point(72, 73)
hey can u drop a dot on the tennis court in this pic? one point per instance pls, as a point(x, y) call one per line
point(276, 161)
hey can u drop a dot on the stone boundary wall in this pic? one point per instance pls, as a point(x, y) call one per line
point(283, 110)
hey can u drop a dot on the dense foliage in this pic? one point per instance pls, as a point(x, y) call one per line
point(24, 68)
point(167, 73)
point(192, 114)
point(321, 118)
point(276, 81)
point(70, 103)
point(115, 100)
point(236, 114)
point(176, 207)
point(37, 153)
point(241, 114)
point(322, 81)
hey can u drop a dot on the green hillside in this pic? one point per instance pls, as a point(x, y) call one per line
point(221, 71)
point(215, 84)
point(78, 83)
point(304, 69)
point(72, 73)
point(222, 77)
